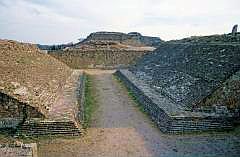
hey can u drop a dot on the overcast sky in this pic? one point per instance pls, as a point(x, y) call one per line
point(63, 21)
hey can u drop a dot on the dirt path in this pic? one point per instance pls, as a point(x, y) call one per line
point(119, 129)
point(124, 128)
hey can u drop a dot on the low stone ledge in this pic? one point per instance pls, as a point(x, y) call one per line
point(169, 116)
point(22, 150)
point(9, 122)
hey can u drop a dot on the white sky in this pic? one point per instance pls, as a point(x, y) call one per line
point(62, 21)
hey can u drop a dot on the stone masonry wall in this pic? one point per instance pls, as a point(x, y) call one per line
point(106, 59)
point(169, 117)
point(13, 112)
point(10, 107)
point(24, 150)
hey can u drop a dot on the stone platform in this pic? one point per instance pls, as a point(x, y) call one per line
point(169, 116)
point(65, 115)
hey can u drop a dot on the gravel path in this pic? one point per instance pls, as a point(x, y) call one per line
point(119, 129)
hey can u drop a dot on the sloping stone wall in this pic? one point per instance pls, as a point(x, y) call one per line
point(169, 116)
point(228, 94)
point(187, 73)
point(105, 59)
point(30, 76)
point(66, 115)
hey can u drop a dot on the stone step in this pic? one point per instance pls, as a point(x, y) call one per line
point(46, 129)
point(49, 122)
point(51, 131)
point(53, 125)
point(49, 128)
point(180, 128)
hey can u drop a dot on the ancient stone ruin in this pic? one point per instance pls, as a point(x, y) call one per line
point(38, 94)
point(188, 87)
point(107, 50)
point(184, 85)
point(132, 38)
point(234, 30)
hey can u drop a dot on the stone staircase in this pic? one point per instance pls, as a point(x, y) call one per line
point(36, 128)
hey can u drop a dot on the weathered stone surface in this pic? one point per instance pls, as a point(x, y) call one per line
point(103, 59)
point(39, 95)
point(224, 39)
point(106, 50)
point(19, 150)
point(20, 91)
point(106, 45)
point(65, 115)
point(29, 76)
point(10, 122)
point(13, 109)
point(187, 73)
point(170, 116)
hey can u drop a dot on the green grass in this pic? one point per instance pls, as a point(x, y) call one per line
point(130, 94)
point(90, 101)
